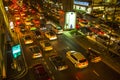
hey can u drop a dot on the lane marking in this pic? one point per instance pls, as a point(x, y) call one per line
point(53, 77)
point(77, 78)
point(96, 73)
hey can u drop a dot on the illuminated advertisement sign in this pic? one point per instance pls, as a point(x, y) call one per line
point(70, 20)
point(81, 3)
point(16, 51)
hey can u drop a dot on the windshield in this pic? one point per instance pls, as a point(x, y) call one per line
point(82, 60)
point(27, 37)
point(59, 28)
point(47, 44)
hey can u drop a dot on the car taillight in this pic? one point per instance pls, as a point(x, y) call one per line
point(86, 62)
point(79, 64)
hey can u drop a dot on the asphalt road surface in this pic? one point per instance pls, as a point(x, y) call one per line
point(95, 71)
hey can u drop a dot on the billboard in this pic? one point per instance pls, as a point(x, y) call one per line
point(81, 3)
point(70, 20)
point(16, 50)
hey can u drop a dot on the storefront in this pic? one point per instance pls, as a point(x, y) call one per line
point(82, 6)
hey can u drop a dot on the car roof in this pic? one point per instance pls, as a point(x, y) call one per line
point(35, 49)
point(78, 55)
point(58, 60)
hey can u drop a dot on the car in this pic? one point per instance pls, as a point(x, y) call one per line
point(51, 35)
point(83, 22)
point(57, 29)
point(114, 37)
point(77, 59)
point(22, 14)
point(45, 44)
point(94, 55)
point(37, 34)
point(36, 51)
point(85, 30)
point(17, 17)
point(27, 39)
point(28, 23)
point(33, 28)
point(58, 62)
point(104, 40)
point(23, 29)
point(97, 31)
point(36, 21)
point(18, 22)
point(40, 73)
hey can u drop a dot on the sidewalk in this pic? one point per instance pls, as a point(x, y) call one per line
point(111, 62)
point(15, 67)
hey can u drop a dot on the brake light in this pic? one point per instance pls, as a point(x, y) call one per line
point(79, 64)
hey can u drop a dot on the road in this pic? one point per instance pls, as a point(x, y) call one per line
point(95, 71)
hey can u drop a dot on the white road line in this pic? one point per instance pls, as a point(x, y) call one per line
point(53, 78)
point(77, 78)
point(47, 66)
point(96, 73)
point(50, 71)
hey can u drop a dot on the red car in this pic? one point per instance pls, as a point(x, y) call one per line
point(18, 22)
point(97, 31)
point(40, 72)
point(36, 21)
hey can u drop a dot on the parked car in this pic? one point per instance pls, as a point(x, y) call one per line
point(97, 31)
point(85, 30)
point(94, 55)
point(58, 62)
point(46, 46)
point(40, 73)
point(103, 40)
point(36, 51)
point(114, 37)
point(51, 35)
point(77, 59)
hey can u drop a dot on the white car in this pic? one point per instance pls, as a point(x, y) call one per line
point(36, 52)
point(114, 37)
point(51, 35)
point(77, 59)
point(46, 45)
point(27, 39)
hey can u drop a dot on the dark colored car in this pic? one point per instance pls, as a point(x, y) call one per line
point(58, 62)
point(86, 31)
point(104, 40)
point(94, 55)
point(37, 34)
point(40, 72)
